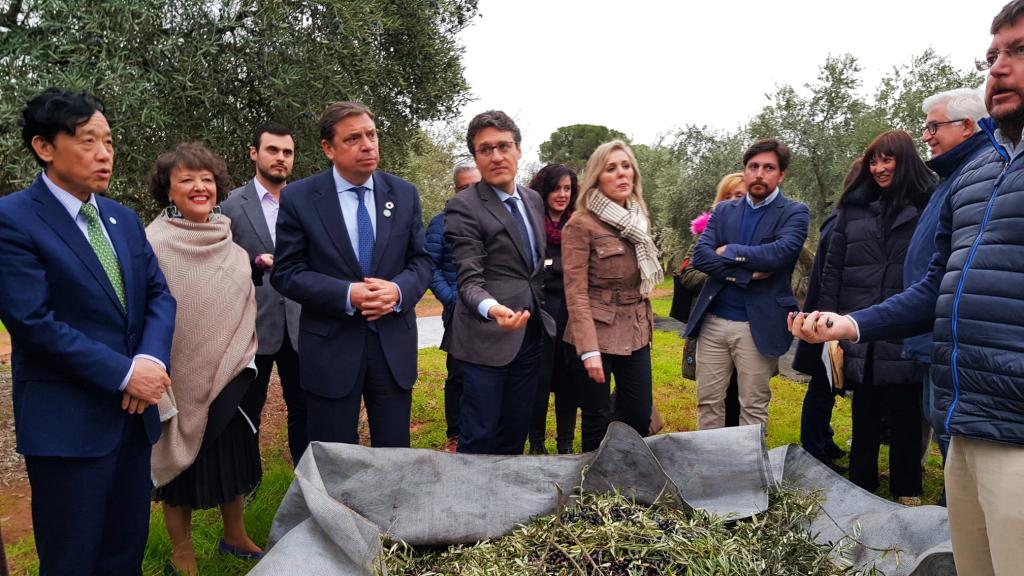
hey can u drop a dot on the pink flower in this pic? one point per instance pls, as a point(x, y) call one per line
point(699, 223)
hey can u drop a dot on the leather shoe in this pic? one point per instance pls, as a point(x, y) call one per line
point(225, 548)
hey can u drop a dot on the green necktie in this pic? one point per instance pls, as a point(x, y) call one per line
point(104, 252)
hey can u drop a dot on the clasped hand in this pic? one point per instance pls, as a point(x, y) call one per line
point(374, 297)
point(148, 383)
point(755, 276)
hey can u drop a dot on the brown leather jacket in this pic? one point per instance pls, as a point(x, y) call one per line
point(602, 289)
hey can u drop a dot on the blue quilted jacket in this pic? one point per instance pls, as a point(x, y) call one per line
point(442, 283)
point(975, 290)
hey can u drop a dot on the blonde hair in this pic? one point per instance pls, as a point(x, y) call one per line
point(726, 185)
point(596, 164)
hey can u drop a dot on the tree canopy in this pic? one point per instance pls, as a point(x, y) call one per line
point(572, 145)
point(188, 70)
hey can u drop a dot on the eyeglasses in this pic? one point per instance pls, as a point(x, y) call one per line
point(1015, 53)
point(933, 126)
point(502, 147)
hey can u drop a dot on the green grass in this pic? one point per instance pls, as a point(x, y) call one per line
point(674, 396)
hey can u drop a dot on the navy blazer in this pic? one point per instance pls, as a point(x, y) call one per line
point(775, 247)
point(73, 342)
point(314, 263)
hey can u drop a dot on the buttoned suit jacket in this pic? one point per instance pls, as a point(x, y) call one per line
point(491, 258)
point(73, 341)
point(315, 262)
point(774, 247)
point(249, 230)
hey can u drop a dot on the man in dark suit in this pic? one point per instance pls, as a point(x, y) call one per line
point(748, 251)
point(253, 211)
point(496, 230)
point(350, 251)
point(91, 321)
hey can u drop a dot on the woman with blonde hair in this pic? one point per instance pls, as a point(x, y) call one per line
point(611, 266)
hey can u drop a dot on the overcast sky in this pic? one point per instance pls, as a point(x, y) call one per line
point(646, 67)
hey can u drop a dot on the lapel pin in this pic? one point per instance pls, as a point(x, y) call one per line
point(387, 213)
point(389, 205)
point(112, 220)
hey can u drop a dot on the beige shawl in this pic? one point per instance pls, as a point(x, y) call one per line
point(214, 333)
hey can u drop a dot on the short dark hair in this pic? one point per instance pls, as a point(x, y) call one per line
point(191, 155)
point(336, 112)
point(547, 178)
point(491, 119)
point(56, 111)
point(769, 145)
point(275, 128)
point(1008, 16)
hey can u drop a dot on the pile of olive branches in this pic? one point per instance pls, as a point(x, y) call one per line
point(609, 535)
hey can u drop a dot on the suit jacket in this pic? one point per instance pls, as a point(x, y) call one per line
point(491, 261)
point(315, 262)
point(73, 342)
point(249, 230)
point(774, 247)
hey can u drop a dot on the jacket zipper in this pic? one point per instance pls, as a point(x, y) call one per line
point(954, 364)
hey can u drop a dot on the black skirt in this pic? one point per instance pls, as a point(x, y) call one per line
point(228, 463)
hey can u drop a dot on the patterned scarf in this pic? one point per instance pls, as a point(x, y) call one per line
point(633, 225)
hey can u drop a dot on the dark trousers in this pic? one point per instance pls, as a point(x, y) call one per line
point(732, 402)
point(287, 361)
point(901, 404)
point(388, 405)
point(494, 415)
point(91, 515)
point(556, 376)
point(632, 376)
point(452, 395)
point(816, 418)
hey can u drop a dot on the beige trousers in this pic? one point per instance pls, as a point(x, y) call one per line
point(722, 346)
point(985, 498)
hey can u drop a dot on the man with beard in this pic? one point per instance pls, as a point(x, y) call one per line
point(972, 301)
point(748, 251)
point(253, 212)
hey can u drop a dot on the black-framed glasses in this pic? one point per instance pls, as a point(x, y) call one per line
point(1015, 53)
point(933, 126)
point(502, 147)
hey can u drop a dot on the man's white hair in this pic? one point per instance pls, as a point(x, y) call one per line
point(960, 103)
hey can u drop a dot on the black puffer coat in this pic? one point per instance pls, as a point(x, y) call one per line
point(865, 267)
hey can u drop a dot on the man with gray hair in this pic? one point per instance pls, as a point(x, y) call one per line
point(954, 138)
point(446, 290)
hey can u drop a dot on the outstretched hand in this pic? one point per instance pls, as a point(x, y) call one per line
point(817, 327)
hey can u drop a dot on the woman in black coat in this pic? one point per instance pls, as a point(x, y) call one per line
point(558, 186)
point(877, 216)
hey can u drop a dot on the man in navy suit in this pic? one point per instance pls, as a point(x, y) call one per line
point(91, 322)
point(350, 250)
point(748, 251)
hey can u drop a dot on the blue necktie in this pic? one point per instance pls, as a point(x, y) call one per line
point(523, 231)
point(365, 230)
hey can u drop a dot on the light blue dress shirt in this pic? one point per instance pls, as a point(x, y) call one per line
point(486, 304)
point(74, 206)
point(348, 200)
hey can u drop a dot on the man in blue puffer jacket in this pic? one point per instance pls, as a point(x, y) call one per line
point(954, 139)
point(445, 289)
point(974, 297)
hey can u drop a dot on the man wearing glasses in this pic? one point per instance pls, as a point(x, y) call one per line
point(954, 139)
point(496, 230)
point(973, 300)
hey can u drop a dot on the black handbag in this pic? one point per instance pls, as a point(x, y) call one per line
point(690, 358)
